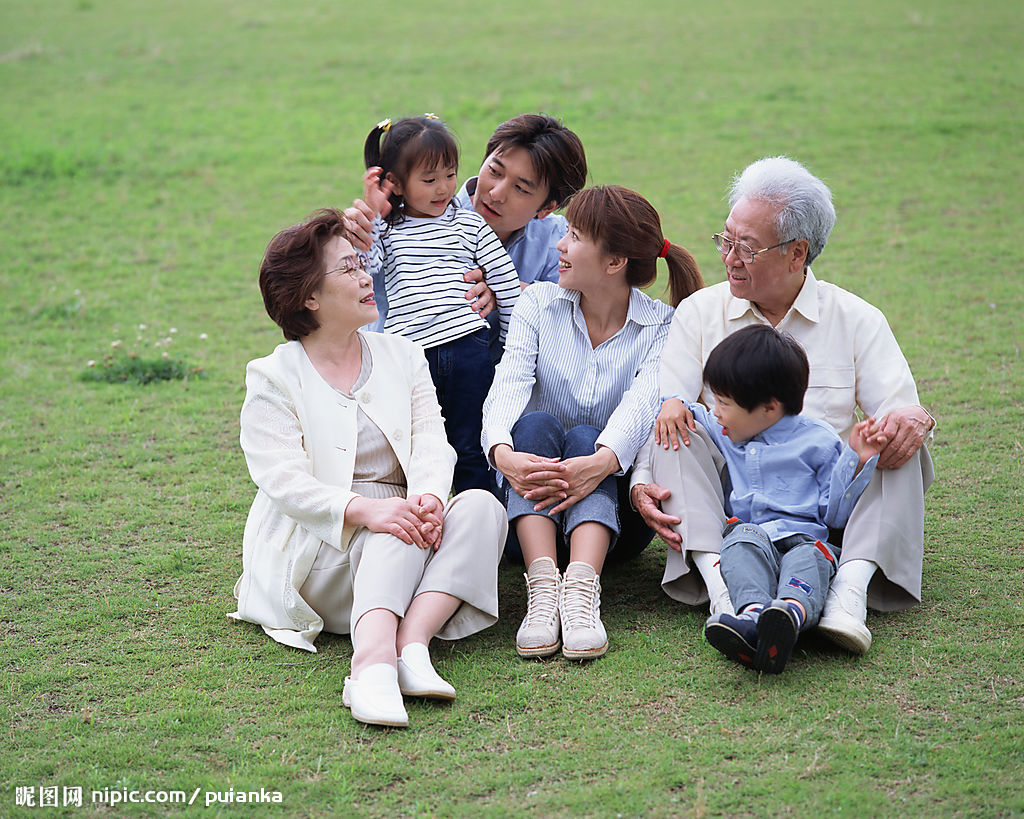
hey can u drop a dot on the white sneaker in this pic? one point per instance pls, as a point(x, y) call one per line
point(842, 621)
point(538, 636)
point(583, 634)
point(375, 697)
point(417, 677)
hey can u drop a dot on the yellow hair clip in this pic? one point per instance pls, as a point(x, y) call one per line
point(431, 116)
point(384, 125)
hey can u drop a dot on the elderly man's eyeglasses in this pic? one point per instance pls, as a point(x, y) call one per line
point(353, 265)
point(746, 253)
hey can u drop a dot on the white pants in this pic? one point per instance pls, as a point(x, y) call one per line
point(385, 573)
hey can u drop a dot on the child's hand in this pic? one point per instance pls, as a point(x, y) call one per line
point(376, 193)
point(672, 424)
point(867, 439)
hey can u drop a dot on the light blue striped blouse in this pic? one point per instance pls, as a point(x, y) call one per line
point(550, 365)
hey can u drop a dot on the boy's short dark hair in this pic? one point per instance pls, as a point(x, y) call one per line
point(556, 152)
point(756, 364)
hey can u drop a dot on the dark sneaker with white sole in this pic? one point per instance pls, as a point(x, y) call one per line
point(734, 635)
point(777, 630)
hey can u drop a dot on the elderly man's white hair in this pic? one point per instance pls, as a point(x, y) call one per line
point(805, 201)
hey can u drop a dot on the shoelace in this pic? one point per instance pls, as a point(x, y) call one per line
point(542, 600)
point(578, 601)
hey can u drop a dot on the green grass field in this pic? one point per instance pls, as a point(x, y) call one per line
point(147, 154)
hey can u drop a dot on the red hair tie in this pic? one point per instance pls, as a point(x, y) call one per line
point(664, 249)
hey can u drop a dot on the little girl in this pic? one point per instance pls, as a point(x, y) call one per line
point(422, 248)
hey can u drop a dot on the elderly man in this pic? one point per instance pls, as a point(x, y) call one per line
point(780, 220)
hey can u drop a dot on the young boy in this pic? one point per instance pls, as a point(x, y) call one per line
point(791, 479)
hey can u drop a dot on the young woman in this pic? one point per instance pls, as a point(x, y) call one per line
point(572, 402)
point(351, 529)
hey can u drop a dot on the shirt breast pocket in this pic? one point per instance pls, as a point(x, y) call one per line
point(832, 396)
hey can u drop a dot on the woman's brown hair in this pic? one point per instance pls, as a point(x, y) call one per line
point(293, 267)
point(625, 224)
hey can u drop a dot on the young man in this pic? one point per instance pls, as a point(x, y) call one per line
point(791, 479)
point(533, 165)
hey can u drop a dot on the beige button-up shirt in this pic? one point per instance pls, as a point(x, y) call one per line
point(854, 358)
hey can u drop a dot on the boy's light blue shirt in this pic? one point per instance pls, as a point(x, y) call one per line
point(795, 477)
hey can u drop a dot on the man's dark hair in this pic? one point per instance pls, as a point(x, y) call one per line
point(556, 152)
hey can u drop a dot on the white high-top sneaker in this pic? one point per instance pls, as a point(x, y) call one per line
point(583, 634)
point(538, 636)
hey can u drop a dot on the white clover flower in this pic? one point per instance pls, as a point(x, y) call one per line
point(173, 330)
point(203, 336)
point(116, 343)
point(90, 363)
point(142, 326)
point(165, 354)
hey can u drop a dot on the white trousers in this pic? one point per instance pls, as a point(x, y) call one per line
point(385, 573)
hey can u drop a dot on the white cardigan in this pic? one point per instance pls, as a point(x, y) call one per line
point(299, 439)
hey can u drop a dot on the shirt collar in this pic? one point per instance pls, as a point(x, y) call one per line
point(642, 309)
point(805, 303)
point(779, 432)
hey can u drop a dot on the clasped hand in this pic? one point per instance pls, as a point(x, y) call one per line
point(552, 482)
point(416, 520)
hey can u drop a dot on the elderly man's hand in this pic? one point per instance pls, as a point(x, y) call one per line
point(905, 428)
point(646, 499)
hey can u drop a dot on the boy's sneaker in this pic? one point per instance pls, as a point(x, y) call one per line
point(583, 634)
point(777, 630)
point(735, 635)
point(538, 636)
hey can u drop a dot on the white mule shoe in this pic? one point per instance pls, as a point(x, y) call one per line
point(417, 677)
point(375, 697)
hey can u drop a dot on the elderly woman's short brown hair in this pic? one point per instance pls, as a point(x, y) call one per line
point(293, 268)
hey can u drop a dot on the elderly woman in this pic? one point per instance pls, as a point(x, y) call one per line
point(780, 220)
point(351, 530)
point(572, 402)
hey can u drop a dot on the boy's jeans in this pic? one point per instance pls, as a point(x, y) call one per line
point(756, 570)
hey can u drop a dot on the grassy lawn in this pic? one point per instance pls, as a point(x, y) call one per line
point(147, 154)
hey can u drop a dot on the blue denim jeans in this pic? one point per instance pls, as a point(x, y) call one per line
point(542, 434)
point(462, 371)
point(757, 570)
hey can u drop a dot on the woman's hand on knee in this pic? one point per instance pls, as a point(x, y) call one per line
point(431, 515)
point(674, 424)
point(393, 516)
point(584, 474)
point(527, 472)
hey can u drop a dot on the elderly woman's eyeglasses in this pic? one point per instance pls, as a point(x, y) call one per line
point(353, 265)
point(746, 253)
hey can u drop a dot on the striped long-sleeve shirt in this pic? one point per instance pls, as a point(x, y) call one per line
point(550, 365)
point(421, 262)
